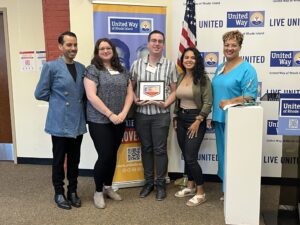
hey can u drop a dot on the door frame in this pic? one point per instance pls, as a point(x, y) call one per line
point(9, 78)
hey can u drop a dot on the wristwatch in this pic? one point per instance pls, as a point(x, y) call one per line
point(200, 118)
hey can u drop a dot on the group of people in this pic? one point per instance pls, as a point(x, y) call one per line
point(101, 96)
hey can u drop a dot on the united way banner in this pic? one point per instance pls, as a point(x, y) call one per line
point(289, 115)
point(128, 27)
point(271, 44)
point(129, 170)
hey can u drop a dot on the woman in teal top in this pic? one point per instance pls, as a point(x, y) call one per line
point(235, 82)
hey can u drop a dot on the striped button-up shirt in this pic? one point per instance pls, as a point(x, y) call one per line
point(165, 71)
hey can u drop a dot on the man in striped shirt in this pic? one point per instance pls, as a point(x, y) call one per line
point(152, 118)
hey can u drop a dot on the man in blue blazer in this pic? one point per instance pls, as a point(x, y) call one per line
point(61, 84)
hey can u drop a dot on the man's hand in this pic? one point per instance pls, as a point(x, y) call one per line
point(160, 104)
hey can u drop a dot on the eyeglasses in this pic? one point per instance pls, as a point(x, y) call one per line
point(103, 49)
point(155, 40)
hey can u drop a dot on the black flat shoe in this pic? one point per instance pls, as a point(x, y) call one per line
point(147, 189)
point(160, 194)
point(74, 199)
point(61, 201)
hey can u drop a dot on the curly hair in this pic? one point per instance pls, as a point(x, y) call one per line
point(115, 62)
point(199, 69)
point(235, 34)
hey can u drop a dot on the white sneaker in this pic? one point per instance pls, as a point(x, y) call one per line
point(185, 192)
point(99, 200)
point(109, 192)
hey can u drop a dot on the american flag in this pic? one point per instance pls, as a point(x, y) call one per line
point(188, 33)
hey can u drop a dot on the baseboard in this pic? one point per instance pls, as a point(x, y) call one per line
point(280, 181)
point(207, 177)
point(34, 161)
point(172, 175)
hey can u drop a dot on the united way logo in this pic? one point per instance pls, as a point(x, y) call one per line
point(246, 19)
point(210, 59)
point(152, 90)
point(272, 127)
point(285, 58)
point(296, 58)
point(145, 26)
point(257, 19)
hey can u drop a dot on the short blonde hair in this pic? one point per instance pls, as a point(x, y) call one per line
point(235, 34)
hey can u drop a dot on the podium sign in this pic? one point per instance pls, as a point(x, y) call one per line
point(289, 114)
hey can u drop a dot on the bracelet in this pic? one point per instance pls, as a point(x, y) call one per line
point(200, 118)
point(110, 115)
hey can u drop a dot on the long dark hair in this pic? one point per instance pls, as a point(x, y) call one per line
point(115, 62)
point(199, 69)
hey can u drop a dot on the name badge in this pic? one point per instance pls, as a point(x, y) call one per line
point(113, 72)
point(150, 68)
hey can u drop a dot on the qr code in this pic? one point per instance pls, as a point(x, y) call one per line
point(293, 123)
point(133, 154)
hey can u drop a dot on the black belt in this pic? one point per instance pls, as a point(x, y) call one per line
point(187, 111)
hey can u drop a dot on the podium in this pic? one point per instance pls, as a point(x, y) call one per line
point(243, 155)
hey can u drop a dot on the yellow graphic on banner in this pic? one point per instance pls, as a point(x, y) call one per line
point(129, 163)
point(129, 9)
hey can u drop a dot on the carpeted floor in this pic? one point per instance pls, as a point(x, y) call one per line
point(26, 197)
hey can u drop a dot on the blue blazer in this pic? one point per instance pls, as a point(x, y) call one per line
point(66, 113)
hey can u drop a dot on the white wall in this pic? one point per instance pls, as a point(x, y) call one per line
point(25, 33)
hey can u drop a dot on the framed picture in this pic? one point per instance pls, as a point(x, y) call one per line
point(152, 90)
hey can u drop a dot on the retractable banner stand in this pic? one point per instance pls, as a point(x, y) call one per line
point(289, 127)
point(129, 170)
point(128, 27)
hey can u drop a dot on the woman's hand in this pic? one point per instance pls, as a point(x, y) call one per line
point(115, 119)
point(175, 123)
point(193, 129)
point(122, 116)
point(209, 124)
point(223, 103)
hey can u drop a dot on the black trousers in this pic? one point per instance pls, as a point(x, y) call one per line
point(153, 132)
point(107, 139)
point(63, 146)
point(190, 147)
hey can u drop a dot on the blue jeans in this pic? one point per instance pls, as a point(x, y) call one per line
point(153, 133)
point(190, 146)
